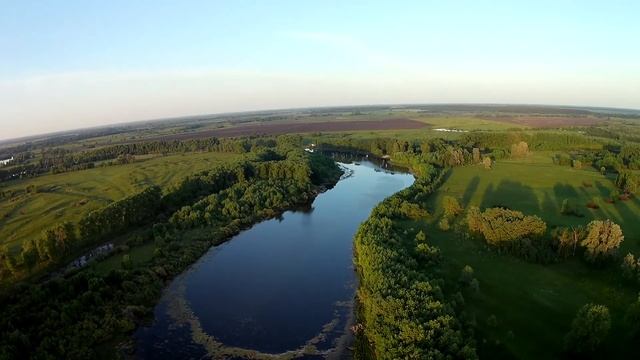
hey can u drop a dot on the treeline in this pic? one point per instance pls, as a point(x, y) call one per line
point(485, 147)
point(404, 311)
point(121, 215)
point(62, 240)
point(73, 317)
point(57, 160)
point(471, 148)
point(612, 159)
point(512, 232)
point(624, 161)
point(538, 140)
point(242, 200)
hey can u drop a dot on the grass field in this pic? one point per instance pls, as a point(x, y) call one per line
point(534, 304)
point(67, 196)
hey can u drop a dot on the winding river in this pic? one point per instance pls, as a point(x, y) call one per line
point(282, 289)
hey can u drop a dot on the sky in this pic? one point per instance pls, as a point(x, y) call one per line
point(72, 64)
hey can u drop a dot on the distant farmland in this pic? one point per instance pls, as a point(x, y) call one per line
point(302, 127)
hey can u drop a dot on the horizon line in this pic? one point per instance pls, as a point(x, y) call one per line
point(34, 137)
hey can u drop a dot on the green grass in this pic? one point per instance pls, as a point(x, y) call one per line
point(535, 302)
point(67, 196)
point(536, 186)
point(138, 254)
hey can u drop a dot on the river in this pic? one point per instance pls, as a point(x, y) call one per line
point(282, 289)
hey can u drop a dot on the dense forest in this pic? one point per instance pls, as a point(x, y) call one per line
point(405, 312)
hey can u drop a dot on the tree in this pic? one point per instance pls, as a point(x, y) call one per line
point(451, 207)
point(568, 240)
point(520, 149)
point(430, 253)
point(476, 155)
point(421, 237)
point(630, 266)
point(466, 275)
point(56, 242)
point(628, 182)
point(474, 219)
point(487, 162)
point(29, 254)
point(588, 329)
point(443, 224)
point(602, 241)
point(7, 260)
point(456, 156)
point(501, 226)
point(632, 318)
point(126, 261)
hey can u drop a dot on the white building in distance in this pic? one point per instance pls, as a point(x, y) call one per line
point(5, 162)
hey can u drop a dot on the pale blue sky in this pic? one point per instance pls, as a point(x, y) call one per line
point(67, 64)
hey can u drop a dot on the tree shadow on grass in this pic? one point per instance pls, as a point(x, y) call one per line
point(605, 192)
point(487, 197)
point(549, 207)
point(628, 220)
point(513, 195)
point(564, 191)
point(470, 190)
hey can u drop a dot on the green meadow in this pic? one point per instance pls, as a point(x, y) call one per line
point(68, 196)
point(534, 304)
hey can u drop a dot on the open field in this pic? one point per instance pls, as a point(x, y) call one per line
point(67, 196)
point(534, 304)
point(548, 121)
point(297, 127)
point(536, 186)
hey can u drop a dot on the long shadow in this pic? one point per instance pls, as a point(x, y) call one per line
point(629, 220)
point(604, 191)
point(446, 176)
point(549, 207)
point(487, 197)
point(512, 194)
point(563, 191)
point(470, 190)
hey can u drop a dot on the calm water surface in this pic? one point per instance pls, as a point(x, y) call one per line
point(281, 286)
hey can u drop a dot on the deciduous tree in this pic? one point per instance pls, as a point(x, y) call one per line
point(602, 241)
point(588, 329)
